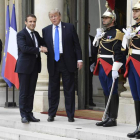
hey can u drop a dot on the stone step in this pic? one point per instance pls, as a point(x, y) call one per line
point(81, 129)
point(16, 134)
point(79, 132)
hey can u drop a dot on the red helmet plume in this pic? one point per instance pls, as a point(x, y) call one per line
point(111, 4)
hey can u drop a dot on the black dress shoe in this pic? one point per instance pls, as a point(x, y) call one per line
point(111, 122)
point(71, 120)
point(50, 119)
point(137, 136)
point(102, 123)
point(33, 119)
point(24, 120)
point(132, 135)
point(92, 104)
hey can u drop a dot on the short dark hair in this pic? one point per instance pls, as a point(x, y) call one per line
point(30, 15)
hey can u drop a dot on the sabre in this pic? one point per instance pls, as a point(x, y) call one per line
point(100, 13)
point(131, 15)
point(108, 102)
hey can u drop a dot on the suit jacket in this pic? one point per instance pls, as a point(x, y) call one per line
point(0, 49)
point(71, 47)
point(27, 52)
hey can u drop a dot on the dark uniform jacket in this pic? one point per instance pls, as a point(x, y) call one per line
point(135, 58)
point(110, 44)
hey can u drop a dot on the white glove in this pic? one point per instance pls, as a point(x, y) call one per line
point(100, 33)
point(92, 66)
point(115, 74)
point(129, 33)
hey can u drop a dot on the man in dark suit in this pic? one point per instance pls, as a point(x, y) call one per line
point(0, 49)
point(91, 58)
point(28, 66)
point(64, 57)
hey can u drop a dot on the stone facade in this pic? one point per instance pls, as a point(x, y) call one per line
point(41, 9)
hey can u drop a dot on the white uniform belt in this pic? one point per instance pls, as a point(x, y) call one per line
point(134, 51)
point(106, 56)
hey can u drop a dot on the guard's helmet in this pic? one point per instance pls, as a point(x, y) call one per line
point(110, 5)
point(136, 6)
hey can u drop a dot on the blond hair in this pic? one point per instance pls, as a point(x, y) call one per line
point(55, 10)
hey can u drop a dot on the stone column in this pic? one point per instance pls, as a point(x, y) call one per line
point(2, 23)
point(41, 96)
point(126, 112)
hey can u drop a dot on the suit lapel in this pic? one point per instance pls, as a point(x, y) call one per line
point(36, 35)
point(51, 36)
point(28, 35)
point(63, 33)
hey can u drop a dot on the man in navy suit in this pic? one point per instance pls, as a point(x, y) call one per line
point(28, 66)
point(0, 49)
point(64, 57)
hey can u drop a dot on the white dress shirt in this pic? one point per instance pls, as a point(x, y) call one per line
point(36, 42)
point(60, 36)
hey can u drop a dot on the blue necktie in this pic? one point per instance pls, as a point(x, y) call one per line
point(56, 44)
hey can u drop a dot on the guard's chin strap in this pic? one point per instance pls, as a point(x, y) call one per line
point(137, 18)
point(106, 25)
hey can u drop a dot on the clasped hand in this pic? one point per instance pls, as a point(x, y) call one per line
point(100, 33)
point(43, 49)
point(129, 33)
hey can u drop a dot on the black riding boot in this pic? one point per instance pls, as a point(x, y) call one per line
point(137, 112)
point(114, 105)
point(107, 114)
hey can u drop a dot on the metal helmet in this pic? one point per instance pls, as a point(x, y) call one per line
point(110, 10)
point(136, 6)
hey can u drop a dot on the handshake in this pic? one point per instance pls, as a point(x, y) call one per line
point(43, 49)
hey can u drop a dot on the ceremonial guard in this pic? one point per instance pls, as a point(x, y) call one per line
point(133, 64)
point(109, 61)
